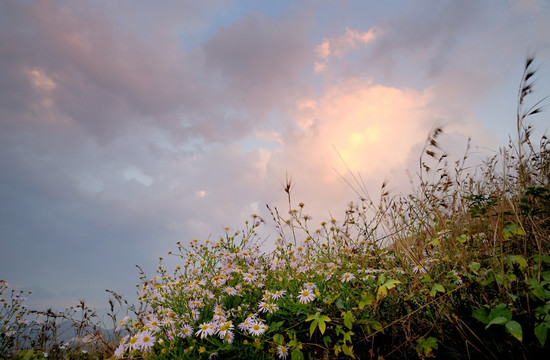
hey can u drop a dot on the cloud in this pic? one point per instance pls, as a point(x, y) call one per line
point(258, 61)
point(352, 39)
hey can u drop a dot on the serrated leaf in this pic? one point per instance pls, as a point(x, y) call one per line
point(539, 292)
point(501, 311)
point(541, 331)
point(499, 320)
point(514, 329)
point(481, 315)
point(474, 266)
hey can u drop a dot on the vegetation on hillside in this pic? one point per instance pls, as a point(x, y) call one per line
point(458, 268)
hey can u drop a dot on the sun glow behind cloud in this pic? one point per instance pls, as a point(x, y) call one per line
point(373, 127)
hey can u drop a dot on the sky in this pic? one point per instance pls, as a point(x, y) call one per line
point(127, 126)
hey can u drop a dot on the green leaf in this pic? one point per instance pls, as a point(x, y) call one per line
point(348, 319)
point(427, 279)
point(474, 266)
point(512, 230)
point(390, 284)
point(348, 350)
point(499, 320)
point(462, 238)
point(318, 320)
point(382, 292)
point(297, 355)
point(366, 299)
point(517, 259)
point(330, 300)
point(327, 340)
point(501, 311)
point(436, 288)
point(481, 315)
point(514, 329)
point(541, 331)
point(426, 346)
point(539, 292)
point(278, 339)
point(322, 326)
point(312, 327)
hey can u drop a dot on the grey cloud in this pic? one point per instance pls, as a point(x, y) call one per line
point(260, 58)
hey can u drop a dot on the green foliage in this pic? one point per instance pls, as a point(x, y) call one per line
point(319, 321)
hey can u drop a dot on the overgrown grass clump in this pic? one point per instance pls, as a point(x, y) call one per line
point(459, 268)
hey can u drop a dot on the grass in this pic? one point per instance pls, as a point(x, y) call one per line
point(459, 268)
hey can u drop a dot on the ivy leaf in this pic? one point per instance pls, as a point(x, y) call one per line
point(514, 329)
point(366, 299)
point(390, 284)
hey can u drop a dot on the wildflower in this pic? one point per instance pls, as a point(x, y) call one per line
point(206, 329)
point(245, 325)
point(133, 343)
point(262, 307)
point(277, 265)
point(119, 351)
point(186, 331)
point(418, 269)
point(266, 295)
point(145, 340)
point(278, 294)
point(310, 286)
point(257, 328)
point(152, 323)
point(282, 351)
point(231, 291)
point(224, 328)
point(123, 322)
point(229, 336)
point(249, 278)
point(306, 296)
point(347, 277)
point(271, 308)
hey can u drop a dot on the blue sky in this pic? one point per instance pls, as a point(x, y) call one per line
point(128, 126)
